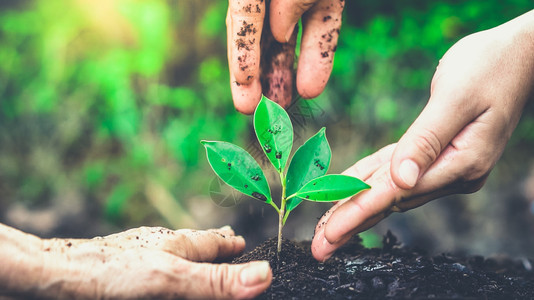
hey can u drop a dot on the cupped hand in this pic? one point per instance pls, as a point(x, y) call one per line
point(477, 94)
point(261, 54)
point(151, 262)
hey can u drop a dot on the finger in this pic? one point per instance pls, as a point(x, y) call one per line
point(321, 26)
point(244, 23)
point(455, 170)
point(246, 97)
point(462, 166)
point(368, 208)
point(277, 67)
point(363, 170)
point(224, 281)
point(364, 206)
point(225, 230)
point(206, 246)
point(322, 249)
point(365, 167)
point(423, 142)
point(285, 15)
point(357, 214)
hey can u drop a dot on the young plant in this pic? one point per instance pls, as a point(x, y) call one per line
point(305, 178)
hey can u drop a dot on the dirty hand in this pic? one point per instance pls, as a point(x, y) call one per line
point(321, 21)
point(147, 262)
point(477, 95)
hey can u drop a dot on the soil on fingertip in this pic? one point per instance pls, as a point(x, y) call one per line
point(395, 272)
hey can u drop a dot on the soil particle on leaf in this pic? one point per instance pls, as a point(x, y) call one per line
point(393, 272)
point(259, 196)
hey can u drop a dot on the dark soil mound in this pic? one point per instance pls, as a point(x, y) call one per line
point(391, 272)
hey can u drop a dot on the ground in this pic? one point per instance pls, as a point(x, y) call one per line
point(396, 272)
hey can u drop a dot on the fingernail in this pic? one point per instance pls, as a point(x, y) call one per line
point(255, 273)
point(409, 172)
point(226, 227)
point(290, 33)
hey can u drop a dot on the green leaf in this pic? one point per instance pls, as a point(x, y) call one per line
point(274, 131)
point(331, 187)
point(310, 161)
point(238, 169)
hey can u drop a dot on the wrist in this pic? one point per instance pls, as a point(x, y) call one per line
point(525, 42)
point(526, 22)
point(521, 30)
point(46, 268)
point(68, 266)
point(518, 35)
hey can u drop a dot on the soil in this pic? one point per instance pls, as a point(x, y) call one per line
point(395, 272)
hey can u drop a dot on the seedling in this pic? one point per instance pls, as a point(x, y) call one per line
point(305, 178)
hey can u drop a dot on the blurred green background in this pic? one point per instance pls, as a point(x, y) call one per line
point(103, 104)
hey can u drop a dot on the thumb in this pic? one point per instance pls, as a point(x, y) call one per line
point(226, 281)
point(439, 122)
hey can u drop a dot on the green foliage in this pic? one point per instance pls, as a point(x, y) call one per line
point(331, 187)
point(310, 161)
point(92, 101)
point(100, 97)
point(274, 131)
point(370, 239)
point(275, 134)
point(238, 169)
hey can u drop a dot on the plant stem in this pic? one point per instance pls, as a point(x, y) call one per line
point(275, 207)
point(285, 218)
point(280, 226)
point(287, 212)
point(281, 214)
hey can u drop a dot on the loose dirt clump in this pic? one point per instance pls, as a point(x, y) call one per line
point(395, 272)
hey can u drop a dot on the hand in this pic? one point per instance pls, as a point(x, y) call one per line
point(321, 21)
point(151, 263)
point(477, 94)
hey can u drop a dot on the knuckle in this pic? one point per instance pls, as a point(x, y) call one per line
point(357, 206)
point(477, 167)
point(475, 173)
point(219, 279)
point(305, 5)
point(429, 144)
